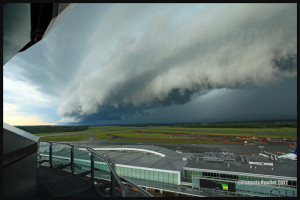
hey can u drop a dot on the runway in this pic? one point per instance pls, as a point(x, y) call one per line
point(238, 149)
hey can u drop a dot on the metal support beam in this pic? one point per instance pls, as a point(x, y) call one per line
point(50, 155)
point(112, 180)
point(92, 167)
point(72, 159)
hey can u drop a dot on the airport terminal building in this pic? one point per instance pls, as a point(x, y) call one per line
point(211, 171)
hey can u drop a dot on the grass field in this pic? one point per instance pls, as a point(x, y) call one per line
point(166, 134)
point(66, 138)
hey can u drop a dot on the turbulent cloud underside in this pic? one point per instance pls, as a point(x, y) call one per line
point(222, 46)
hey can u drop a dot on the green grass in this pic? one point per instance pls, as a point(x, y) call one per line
point(177, 142)
point(66, 138)
point(164, 134)
point(86, 132)
point(280, 130)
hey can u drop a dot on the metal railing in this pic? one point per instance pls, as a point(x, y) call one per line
point(86, 162)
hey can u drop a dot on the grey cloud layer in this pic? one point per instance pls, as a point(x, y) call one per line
point(224, 45)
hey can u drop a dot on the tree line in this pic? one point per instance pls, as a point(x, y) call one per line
point(52, 129)
point(241, 125)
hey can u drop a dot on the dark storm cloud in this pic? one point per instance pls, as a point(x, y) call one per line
point(286, 65)
point(223, 46)
point(110, 113)
point(249, 103)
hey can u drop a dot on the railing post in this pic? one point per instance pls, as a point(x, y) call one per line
point(72, 159)
point(50, 154)
point(92, 167)
point(112, 180)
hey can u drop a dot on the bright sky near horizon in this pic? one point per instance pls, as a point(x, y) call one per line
point(158, 63)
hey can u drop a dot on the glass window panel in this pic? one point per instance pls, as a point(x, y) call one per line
point(125, 171)
point(138, 173)
point(175, 179)
point(171, 177)
point(188, 174)
point(122, 171)
point(155, 175)
point(131, 172)
point(151, 176)
point(118, 170)
point(142, 174)
point(166, 177)
point(146, 175)
point(161, 177)
point(98, 165)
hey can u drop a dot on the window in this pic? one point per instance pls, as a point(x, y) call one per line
point(155, 175)
point(166, 177)
point(138, 173)
point(146, 175)
point(161, 177)
point(188, 174)
point(121, 170)
point(133, 173)
point(151, 176)
point(117, 169)
point(292, 183)
point(126, 171)
point(142, 174)
point(175, 178)
point(130, 172)
point(171, 177)
point(222, 176)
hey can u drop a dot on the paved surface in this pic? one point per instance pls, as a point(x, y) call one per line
point(282, 167)
point(58, 183)
point(238, 149)
point(194, 148)
point(91, 138)
point(170, 188)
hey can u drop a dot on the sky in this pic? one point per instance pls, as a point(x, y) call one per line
point(158, 63)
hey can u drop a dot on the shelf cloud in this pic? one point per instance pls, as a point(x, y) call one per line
point(163, 61)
